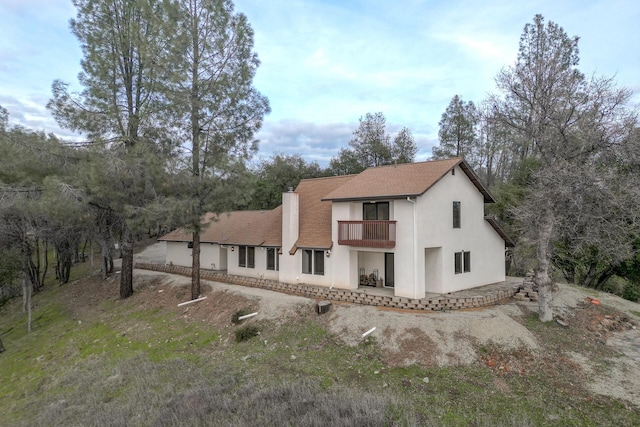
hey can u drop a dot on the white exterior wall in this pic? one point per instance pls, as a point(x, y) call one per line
point(406, 284)
point(178, 253)
point(435, 230)
point(260, 269)
point(344, 260)
point(212, 257)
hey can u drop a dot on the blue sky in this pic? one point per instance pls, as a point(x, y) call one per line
point(327, 63)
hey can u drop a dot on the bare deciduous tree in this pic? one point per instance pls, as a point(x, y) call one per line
point(576, 130)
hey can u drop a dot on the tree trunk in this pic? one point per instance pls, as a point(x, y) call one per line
point(541, 278)
point(195, 266)
point(126, 275)
point(45, 263)
point(27, 289)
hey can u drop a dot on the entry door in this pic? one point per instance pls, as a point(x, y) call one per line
point(389, 270)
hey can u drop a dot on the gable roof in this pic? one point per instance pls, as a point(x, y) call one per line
point(253, 228)
point(315, 212)
point(403, 180)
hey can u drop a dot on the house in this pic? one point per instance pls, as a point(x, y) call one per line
point(416, 228)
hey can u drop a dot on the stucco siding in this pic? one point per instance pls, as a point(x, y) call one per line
point(475, 235)
point(178, 253)
point(260, 265)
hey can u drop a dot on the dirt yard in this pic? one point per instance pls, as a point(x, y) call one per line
point(443, 338)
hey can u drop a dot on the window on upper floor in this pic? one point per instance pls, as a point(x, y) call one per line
point(375, 211)
point(456, 215)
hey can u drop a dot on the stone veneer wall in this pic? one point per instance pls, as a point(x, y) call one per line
point(434, 304)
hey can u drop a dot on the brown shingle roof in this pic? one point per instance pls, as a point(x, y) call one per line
point(253, 228)
point(403, 180)
point(315, 214)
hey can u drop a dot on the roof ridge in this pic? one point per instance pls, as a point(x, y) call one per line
point(329, 177)
point(457, 159)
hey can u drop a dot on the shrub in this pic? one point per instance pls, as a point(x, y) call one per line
point(246, 333)
point(631, 292)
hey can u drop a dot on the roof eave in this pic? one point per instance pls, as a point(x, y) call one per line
point(475, 179)
point(378, 197)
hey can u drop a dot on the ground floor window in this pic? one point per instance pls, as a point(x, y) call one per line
point(246, 256)
point(272, 259)
point(313, 261)
point(462, 262)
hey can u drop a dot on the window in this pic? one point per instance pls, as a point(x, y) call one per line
point(375, 211)
point(462, 262)
point(307, 255)
point(242, 256)
point(456, 214)
point(457, 259)
point(272, 259)
point(246, 256)
point(318, 263)
point(313, 262)
point(251, 257)
point(190, 245)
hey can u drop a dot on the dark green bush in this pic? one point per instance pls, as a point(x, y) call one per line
point(631, 292)
point(246, 333)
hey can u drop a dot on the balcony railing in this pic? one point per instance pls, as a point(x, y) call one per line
point(368, 234)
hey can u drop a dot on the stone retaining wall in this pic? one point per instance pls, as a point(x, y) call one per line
point(430, 304)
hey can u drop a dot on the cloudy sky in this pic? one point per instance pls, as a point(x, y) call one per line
point(326, 63)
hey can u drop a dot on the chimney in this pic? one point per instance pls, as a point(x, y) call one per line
point(290, 220)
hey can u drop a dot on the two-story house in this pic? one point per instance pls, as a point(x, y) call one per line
point(416, 228)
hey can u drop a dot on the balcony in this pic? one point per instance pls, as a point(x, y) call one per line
point(367, 234)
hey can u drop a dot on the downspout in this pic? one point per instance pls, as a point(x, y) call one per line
point(415, 250)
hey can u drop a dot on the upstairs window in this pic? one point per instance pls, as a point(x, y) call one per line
point(456, 214)
point(375, 211)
